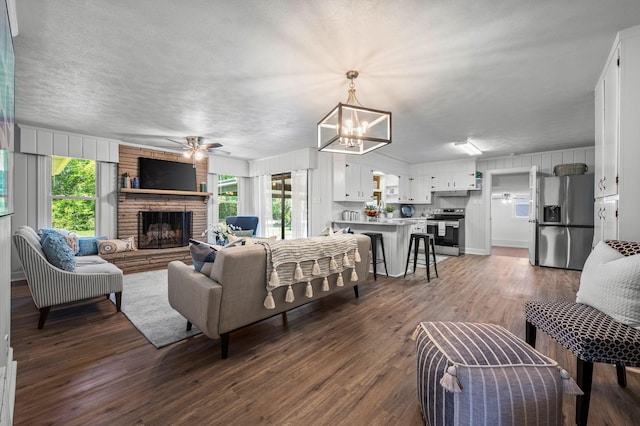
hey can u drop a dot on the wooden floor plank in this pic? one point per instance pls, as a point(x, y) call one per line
point(339, 360)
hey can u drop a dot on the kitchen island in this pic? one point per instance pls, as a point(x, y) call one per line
point(395, 233)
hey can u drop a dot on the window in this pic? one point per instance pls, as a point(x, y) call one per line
point(227, 197)
point(521, 207)
point(73, 195)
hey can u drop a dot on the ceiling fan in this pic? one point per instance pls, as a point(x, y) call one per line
point(196, 148)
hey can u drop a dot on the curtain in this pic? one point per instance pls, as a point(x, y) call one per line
point(299, 205)
point(262, 205)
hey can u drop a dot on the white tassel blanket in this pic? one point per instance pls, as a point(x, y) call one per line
point(305, 259)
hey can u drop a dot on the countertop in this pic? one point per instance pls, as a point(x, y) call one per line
point(384, 222)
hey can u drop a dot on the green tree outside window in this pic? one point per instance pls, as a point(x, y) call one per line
point(73, 191)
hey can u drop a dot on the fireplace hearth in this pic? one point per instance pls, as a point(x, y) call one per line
point(158, 229)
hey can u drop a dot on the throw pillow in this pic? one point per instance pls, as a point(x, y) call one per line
point(58, 252)
point(88, 246)
point(114, 246)
point(610, 282)
point(203, 256)
point(72, 240)
point(44, 231)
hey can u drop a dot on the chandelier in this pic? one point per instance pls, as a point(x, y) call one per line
point(351, 128)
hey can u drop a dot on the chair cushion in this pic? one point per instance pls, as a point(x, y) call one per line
point(610, 282)
point(588, 333)
point(58, 252)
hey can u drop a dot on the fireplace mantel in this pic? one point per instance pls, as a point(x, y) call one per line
point(206, 195)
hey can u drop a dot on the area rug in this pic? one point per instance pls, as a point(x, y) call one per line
point(146, 305)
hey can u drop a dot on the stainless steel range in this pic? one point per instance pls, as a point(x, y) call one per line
point(447, 227)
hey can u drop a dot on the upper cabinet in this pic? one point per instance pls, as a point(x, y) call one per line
point(607, 100)
point(351, 181)
point(453, 175)
point(420, 189)
point(617, 130)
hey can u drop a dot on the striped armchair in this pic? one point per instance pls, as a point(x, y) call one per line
point(51, 286)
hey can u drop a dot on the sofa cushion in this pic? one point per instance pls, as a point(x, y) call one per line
point(610, 282)
point(58, 252)
point(98, 268)
point(88, 246)
point(249, 240)
point(114, 246)
point(241, 233)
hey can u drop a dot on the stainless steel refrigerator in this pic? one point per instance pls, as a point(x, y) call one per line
point(565, 221)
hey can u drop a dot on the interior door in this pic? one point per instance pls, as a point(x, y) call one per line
point(533, 211)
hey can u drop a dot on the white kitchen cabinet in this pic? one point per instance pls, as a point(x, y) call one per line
point(351, 181)
point(404, 189)
point(454, 175)
point(420, 189)
point(617, 130)
point(606, 220)
point(606, 138)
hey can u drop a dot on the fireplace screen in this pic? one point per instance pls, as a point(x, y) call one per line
point(163, 229)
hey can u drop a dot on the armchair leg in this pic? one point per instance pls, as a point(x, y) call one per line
point(224, 345)
point(118, 300)
point(189, 325)
point(530, 334)
point(355, 291)
point(622, 375)
point(44, 312)
point(584, 376)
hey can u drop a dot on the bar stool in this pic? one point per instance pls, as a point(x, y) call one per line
point(375, 237)
point(427, 238)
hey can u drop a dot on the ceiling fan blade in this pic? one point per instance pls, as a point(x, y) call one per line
point(211, 145)
point(174, 141)
point(218, 151)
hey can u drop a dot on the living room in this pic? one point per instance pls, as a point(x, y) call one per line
point(112, 84)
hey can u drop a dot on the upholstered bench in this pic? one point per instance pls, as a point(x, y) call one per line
point(481, 374)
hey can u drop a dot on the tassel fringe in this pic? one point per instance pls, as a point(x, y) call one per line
point(340, 281)
point(414, 336)
point(289, 298)
point(275, 280)
point(269, 303)
point(356, 256)
point(345, 261)
point(354, 275)
point(309, 291)
point(333, 265)
point(325, 284)
point(298, 272)
point(315, 271)
point(449, 380)
point(569, 386)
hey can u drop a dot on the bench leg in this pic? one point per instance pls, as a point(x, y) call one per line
point(44, 312)
point(584, 376)
point(622, 375)
point(530, 334)
point(224, 345)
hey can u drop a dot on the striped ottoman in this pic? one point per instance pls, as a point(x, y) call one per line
point(481, 374)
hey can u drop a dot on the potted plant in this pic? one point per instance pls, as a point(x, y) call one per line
point(390, 210)
point(371, 209)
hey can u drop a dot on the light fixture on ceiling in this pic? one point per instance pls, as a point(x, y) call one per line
point(194, 148)
point(468, 148)
point(351, 128)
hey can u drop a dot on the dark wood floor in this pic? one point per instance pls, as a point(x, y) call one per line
point(339, 360)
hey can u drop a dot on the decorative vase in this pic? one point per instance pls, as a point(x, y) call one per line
point(389, 215)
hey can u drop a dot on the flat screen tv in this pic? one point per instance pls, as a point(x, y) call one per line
point(163, 174)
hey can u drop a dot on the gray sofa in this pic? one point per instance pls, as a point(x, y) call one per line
point(233, 295)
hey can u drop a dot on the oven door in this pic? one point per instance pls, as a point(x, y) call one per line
point(445, 232)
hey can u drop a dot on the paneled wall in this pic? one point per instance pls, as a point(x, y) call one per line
point(130, 204)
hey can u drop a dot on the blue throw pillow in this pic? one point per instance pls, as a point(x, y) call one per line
point(203, 256)
point(88, 246)
point(58, 252)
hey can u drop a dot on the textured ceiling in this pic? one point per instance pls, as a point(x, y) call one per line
point(256, 76)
